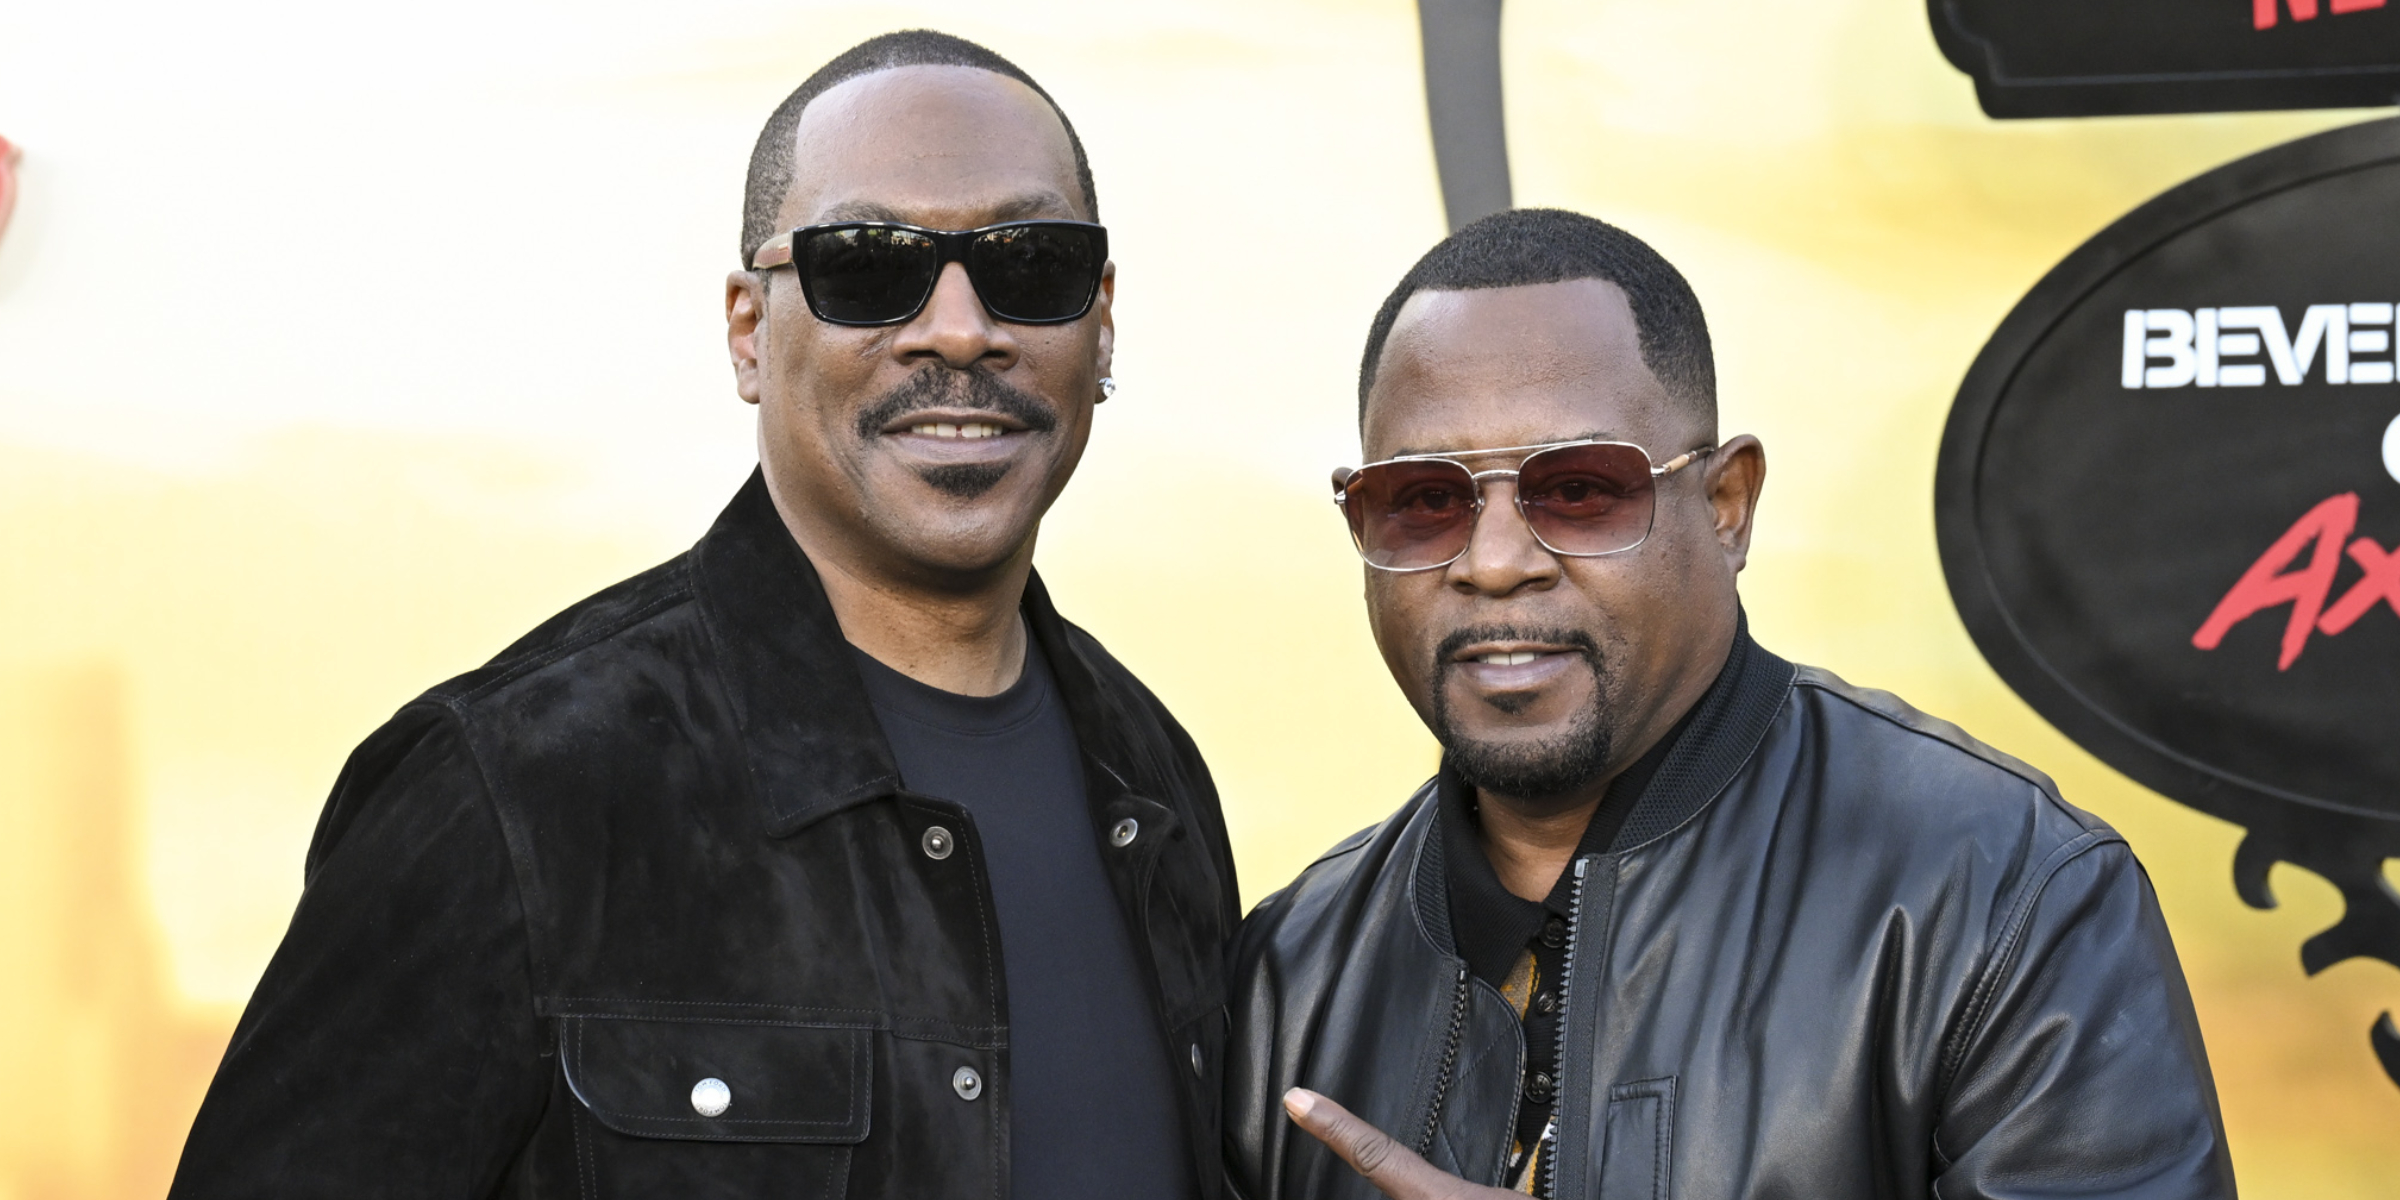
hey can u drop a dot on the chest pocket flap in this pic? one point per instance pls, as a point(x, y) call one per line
point(721, 1081)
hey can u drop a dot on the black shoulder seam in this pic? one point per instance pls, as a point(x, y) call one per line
point(2004, 951)
point(1995, 759)
point(513, 836)
point(680, 594)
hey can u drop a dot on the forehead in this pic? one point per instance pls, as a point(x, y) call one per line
point(1515, 366)
point(941, 146)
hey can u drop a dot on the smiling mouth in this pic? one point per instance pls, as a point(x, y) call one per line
point(963, 430)
point(1509, 665)
point(1509, 658)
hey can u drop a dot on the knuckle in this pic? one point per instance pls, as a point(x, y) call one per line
point(1370, 1151)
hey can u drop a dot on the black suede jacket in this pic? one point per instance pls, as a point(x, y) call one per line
point(659, 841)
point(1838, 949)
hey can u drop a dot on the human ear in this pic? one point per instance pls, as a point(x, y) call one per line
point(1104, 306)
point(745, 310)
point(1736, 473)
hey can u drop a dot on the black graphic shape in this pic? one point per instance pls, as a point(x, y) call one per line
point(2201, 584)
point(2091, 58)
point(1462, 101)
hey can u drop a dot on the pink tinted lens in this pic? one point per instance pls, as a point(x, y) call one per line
point(1589, 499)
point(1410, 515)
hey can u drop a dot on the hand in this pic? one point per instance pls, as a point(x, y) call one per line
point(1394, 1169)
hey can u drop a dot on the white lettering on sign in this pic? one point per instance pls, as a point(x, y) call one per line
point(2240, 346)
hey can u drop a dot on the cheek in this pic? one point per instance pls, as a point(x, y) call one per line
point(1396, 617)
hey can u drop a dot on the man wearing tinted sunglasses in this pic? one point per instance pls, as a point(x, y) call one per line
point(826, 859)
point(1675, 917)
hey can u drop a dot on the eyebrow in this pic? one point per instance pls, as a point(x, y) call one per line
point(1593, 436)
point(1014, 208)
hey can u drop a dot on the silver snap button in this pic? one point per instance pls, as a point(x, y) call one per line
point(1199, 1064)
point(710, 1097)
point(936, 842)
point(1124, 833)
point(966, 1083)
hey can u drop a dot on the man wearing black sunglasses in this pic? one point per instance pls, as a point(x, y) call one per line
point(1675, 917)
point(826, 859)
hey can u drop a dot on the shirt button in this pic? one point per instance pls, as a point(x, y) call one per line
point(1199, 1063)
point(1554, 933)
point(1541, 1087)
point(936, 842)
point(966, 1082)
point(1123, 834)
point(1545, 1003)
point(710, 1097)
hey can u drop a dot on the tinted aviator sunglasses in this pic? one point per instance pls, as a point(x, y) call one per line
point(1581, 499)
point(882, 273)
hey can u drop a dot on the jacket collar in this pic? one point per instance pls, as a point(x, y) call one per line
point(1720, 734)
point(813, 743)
point(1726, 727)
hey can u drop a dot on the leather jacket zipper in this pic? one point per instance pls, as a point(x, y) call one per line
point(1547, 1183)
point(1441, 1074)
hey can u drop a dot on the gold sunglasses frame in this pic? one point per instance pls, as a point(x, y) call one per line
point(1658, 470)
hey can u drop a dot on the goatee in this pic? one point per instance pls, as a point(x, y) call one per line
point(1568, 761)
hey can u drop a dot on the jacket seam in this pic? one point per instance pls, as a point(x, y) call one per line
point(2002, 955)
point(915, 1029)
point(513, 839)
point(2036, 782)
point(681, 595)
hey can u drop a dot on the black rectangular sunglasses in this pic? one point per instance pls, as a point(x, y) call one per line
point(882, 273)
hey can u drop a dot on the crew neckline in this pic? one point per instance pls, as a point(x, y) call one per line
point(895, 694)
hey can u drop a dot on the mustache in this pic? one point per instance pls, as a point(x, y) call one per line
point(1460, 639)
point(936, 386)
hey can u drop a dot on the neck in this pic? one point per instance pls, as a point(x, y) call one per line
point(1530, 845)
point(972, 644)
point(964, 639)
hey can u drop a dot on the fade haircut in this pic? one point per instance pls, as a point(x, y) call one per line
point(1551, 245)
point(771, 168)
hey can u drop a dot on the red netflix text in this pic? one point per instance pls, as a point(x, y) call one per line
point(2263, 12)
point(2272, 581)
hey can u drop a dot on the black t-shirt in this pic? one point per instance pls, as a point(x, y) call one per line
point(1092, 1109)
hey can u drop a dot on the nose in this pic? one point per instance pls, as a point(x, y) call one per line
point(1503, 557)
point(955, 328)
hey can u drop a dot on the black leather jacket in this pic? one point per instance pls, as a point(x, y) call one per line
point(661, 840)
point(1838, 949)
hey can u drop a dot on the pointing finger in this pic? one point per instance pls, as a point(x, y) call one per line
point(1394, 1169)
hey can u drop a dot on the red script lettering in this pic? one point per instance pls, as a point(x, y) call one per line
point(2382, 583)
point(2266, 584)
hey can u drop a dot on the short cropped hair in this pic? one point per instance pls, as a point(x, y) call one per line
point(1528, 246)
point(771, 167)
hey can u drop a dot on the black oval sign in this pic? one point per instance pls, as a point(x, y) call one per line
point(2167, 508)
point(2168, 503)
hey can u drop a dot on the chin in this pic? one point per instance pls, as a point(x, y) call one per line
point(1536, 765)
point(941, 540)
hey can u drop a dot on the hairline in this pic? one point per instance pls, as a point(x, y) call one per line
point(1701, 406)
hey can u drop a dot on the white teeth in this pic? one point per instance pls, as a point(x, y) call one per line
point(1508, 658)
point(970, 429)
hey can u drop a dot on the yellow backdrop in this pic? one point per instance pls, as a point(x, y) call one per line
point(341, 343)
